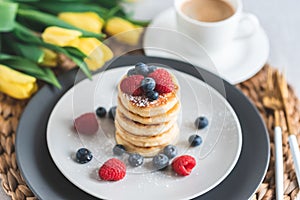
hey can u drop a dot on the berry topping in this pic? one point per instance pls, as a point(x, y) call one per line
point(112, 170)
point(131, 72)
point(119, 150)
point(112, 112)
point(101, 112)
point(183, 165)
point(201, 122)
point(195, 140)
point(132, 85)
point(170, 151)
point(152, 95)
point(83, 155)
point(148, 84)
point(160, 161)
point(151, 68)
point(142, 69)
point(86, 124)
point(164, 82)
point(135, 159)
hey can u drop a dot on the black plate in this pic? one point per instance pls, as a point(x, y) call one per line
point(47, 182)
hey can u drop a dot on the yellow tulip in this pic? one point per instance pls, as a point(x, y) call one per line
point(59, 36)
point(123, 30)
point(16, 84)
point(97, 52)
point(49, 59)
point(89, 21)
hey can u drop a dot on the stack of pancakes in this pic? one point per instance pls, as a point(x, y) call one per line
point(144, 126)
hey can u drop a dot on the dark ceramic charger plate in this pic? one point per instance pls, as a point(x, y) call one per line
point(47, 182)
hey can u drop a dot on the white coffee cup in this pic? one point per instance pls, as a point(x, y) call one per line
point(214, 36)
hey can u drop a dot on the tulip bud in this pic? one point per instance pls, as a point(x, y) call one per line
point(97, 52)
point(49, 58)
point(59, 36)
point(88, 21)
point(123, 30)
point(16, 84)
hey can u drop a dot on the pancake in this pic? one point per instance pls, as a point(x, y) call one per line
point(140, 129)
point(144, 151)
point(147, 141)
point(145, 126)
point(169, 115)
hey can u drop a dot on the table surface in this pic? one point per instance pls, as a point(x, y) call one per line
point(280, 20)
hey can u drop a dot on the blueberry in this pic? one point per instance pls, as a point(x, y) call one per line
point(160, 161)
point(131, 72)
point(141, 68)
point(101, 112)
point(151, 68)
point(170, 151)
point(112, 112)
point(195, 140)
point(83, 155)
point(135, 159)
point(152, 95)
point(119, 150)
point(148, 84)
point(201, 122)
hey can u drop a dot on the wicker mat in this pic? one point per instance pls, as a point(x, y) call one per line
point(14, 185)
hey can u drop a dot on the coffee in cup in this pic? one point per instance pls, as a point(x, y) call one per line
point(207, 10)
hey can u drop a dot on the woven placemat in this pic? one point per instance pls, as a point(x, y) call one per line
point(15, 186)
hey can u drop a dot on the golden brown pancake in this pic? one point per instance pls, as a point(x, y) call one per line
point(148, 141)
point(144, 151)
point(140, 129)
point(169, 115)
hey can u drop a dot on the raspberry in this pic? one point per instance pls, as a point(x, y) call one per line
point(112, 170)
point(86, 124)
point(163, 79)
point(132, 85)
point(183, 165)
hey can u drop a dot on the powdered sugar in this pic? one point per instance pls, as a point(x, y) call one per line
point(142, 101)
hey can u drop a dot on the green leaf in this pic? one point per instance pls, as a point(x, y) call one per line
point(138, 22)
point(30, 68)
point(75, 51)
point(8, 12)
point(58, 7)
point(21, 64)
point(32, 52)
point(108, 3)
point(51, 20)
point(82, 65)
point(112, 12)
point(26, 35)
point(50, 77)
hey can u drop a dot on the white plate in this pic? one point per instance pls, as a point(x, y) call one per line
point(236, 63)
point(216, 157)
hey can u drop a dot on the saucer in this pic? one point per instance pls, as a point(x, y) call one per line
point(236, 63)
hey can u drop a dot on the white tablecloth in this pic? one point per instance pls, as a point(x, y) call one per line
point(281, 20)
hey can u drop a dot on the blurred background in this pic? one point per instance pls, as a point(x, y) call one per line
point(281, 21)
